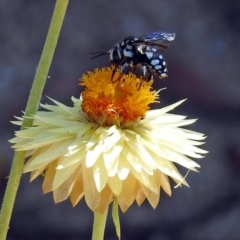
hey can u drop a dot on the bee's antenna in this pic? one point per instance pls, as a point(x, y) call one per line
point(97, 54)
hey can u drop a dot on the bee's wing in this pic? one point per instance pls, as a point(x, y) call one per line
point(159, 40)
point(158, 37)
point(157, 45)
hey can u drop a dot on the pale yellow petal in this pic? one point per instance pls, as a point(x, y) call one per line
point(166, 119)
point(67, 161)
point(49, 177)
point(143, 156)
point(32, 132)
point(57, 122)
point(145, 179)
point(126, 197)
point(63, 175)
point(113, 169)
point(61, 108)
point(115, 184)
point(92, 196)
point(18, 142)
point(63, 191)
point(106, 199)
point(94, 150)
point(152, 197)
point(100, 174)
point(164, 181)
point(139, 194)
point(123, 206)
point(111, 159)
point(170, 155)
point(51, 153)
point(77, 192)
point(111, 137)
point(44, 139)
point(123, 167)
point(168, 168)
point(131, 158)
point(28, 165)
point(157, 112)
point(36, 173)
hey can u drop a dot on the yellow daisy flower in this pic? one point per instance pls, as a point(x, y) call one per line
point(109, 144)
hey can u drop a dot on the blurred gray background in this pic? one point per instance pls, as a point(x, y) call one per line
point(203, 65)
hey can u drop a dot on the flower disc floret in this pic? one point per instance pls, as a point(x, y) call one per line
point(121, 100)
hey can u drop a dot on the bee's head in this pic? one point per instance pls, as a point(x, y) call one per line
point(115, 54)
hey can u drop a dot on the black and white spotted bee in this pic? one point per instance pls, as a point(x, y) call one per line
point(144, 52)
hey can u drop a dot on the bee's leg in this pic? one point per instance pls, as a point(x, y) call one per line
point(113, 73)
point(123, 67)
point(134, 69)
point(142, 74)
point(148, 74)
point(145, 72)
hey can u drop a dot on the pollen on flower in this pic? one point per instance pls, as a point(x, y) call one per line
point(119, 101)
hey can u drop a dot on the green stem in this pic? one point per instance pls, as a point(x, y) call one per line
point(31, 108)
point(99, 225)
point(115, 216)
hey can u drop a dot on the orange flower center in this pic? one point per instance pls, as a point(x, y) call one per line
point(120, 101)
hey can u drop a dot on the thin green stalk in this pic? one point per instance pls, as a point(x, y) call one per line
point(115, 216)
point(31, 108)
point(99, 225)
